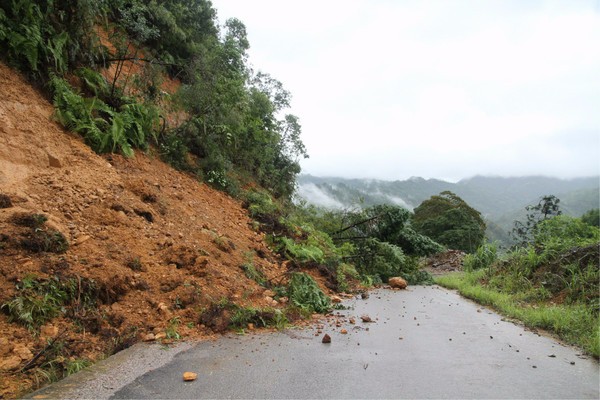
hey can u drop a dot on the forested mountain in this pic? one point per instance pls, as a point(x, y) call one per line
point(500, 200)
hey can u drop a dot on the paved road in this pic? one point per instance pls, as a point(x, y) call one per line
point(426, 342)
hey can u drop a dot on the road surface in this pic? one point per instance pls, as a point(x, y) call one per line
point(425, 342)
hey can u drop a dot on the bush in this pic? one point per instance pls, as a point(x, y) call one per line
point(303, 292)
point(483, 257)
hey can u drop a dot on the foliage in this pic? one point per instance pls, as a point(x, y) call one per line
point(104, 128)
point(40, 36)
point(483, 257)
point(252, 273)
point(303, 292)
point(39, 300)
point(592, 217)
point(344, 273)
point(449, 220)
point(260, 318)
point(386, 223)
point(547, 207)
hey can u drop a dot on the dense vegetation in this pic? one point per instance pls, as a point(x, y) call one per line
point(449, 220)
point(549, 280)
point(500, 201)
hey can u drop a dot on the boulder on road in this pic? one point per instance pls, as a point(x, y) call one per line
point(398, 283)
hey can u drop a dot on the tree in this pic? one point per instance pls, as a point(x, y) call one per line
point(547, 207)
point(449, 220)
point(592, 217)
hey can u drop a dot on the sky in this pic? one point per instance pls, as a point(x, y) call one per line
point(447, 89)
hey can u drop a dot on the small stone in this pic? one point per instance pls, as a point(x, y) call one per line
point(160, 335)
point(53, 161)
point(398, 283)
point(250, 327)
point(49, 331)
point(189, 376)
point(326, 339)
point(366, 318)
point(344, 332)
point(81, 239)
point(572, 363)
point(336, 299)
point(352, 321)
point(148, 337)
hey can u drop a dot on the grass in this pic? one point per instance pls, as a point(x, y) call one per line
point(574, 323)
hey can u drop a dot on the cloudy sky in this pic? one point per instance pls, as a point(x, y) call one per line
point(391, 89)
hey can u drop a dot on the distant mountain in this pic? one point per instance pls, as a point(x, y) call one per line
point(500, 200)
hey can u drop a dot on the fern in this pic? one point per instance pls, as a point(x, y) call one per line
point(93, 81)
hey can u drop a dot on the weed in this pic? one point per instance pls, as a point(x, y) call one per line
point(33, 221)
point(242, 316)
point(172, 329)
point(135, 264)
point(37, 301)
point(304, 292)
point(50, 241)
point(483, 257)
point(252, 273)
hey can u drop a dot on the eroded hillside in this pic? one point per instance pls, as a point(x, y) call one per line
point(149, 248)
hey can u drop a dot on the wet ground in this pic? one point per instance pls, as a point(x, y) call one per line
point(425, 342)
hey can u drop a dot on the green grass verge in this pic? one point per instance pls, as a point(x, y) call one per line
point(576, 324)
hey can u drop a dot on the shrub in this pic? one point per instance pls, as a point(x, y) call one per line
point(483, 257)
point(303, 292)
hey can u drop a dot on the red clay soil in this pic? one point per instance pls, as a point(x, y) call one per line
point(157, 243)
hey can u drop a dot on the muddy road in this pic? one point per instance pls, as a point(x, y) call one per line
point(425, 342)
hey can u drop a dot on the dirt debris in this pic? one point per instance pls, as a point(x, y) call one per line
point(153, 245)
point(447, 261)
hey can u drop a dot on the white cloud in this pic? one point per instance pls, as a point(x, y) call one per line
point(393, 89)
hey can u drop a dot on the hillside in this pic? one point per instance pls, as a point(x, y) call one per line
point(152, 246)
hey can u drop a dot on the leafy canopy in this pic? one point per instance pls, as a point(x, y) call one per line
point(449, 220)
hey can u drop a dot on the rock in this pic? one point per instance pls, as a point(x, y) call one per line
point(344, 332)
point(189, 376)
point(49, 331)
point(10, 363)
point(160, 335)
point(366, 318)
point(5, 347)
point(336, 299)
point(23, 352)
point(326, 339)
point(364, 295)
point(269, 293)
point(352, 321)
point(398, 283)
point(53, 161)
point(81, 239)
point(148, 337)
point(163, 308)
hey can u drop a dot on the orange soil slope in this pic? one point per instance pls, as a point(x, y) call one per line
point(190, 239)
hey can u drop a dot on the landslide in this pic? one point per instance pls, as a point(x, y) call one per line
point(154, 246)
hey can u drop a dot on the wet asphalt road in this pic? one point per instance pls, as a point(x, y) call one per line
point(426, 342)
